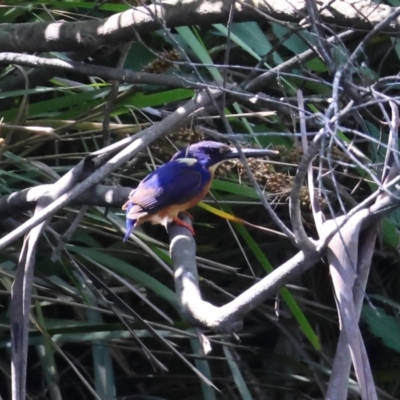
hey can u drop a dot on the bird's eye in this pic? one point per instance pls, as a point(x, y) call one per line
point(224, 149)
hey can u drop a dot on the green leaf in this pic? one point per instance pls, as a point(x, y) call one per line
point(292, 42)
point(234, 188)
point(383, 326)
point(204, 367)
point(199, 49)
point(390, 229)
point(56, 105)
point(237, 375)
point(250, 38)
point(141, 100)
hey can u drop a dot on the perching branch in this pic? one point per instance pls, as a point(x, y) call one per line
point(229, 316)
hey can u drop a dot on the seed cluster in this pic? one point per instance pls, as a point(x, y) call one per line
point(165, 148)
point(163, 62)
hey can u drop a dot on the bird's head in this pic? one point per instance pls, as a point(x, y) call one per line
point(211, 154)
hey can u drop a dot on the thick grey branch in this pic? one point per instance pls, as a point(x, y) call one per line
point(229, 317)
point(345, 257)
point(193, 308)
point(121, 28)
point(24, 200)
point(338, 383)
point(111, 74)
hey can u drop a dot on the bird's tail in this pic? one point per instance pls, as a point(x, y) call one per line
point(130, 223)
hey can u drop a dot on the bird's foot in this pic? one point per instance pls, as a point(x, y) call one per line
point(178, 221)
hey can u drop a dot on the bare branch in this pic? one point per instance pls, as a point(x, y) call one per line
point(343, 256)
point(111, 74)
point(284, 229)
point(120, 28)
point(229, 316)
point(302, 240)
point(386, 22)
point(350, 256)
point(24, 200)
point(338, 383)
point(323, 49)
point(391, 166)
point(317, 213)
point(112, 95)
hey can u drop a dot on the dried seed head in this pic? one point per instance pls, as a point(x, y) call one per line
point(163, 62)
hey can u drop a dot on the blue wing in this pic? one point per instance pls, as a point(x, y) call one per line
point(175, 182)
point(130, 223)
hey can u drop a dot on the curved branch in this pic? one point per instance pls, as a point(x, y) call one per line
point(303, 241)
point(229, 317)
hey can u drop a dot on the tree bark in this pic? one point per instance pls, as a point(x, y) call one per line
point(123, 27)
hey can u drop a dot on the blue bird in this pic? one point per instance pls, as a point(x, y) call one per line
point(179, 184)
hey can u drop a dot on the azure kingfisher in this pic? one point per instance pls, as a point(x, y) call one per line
point(179, 184)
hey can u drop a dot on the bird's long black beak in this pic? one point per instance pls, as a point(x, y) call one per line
point(248, 153)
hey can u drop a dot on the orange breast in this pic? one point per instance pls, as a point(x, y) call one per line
point(174, 210)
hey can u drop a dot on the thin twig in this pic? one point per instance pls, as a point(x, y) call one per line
point(112, 96)
point(317, 213)
point(293, 62)
point(382, 24)
point(323, 49)
point(302, 240)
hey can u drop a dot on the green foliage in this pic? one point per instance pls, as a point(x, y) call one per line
point(382, 325)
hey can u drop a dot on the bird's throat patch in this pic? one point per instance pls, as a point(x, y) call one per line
point(187, 161)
